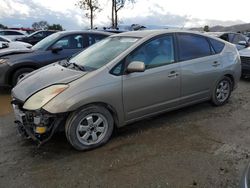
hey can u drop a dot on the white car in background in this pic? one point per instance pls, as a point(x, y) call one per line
point(12, 34)
point(7, 43)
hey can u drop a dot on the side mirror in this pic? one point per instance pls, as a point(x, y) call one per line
point(56, 49)
point(243, 43)
point(136, 66)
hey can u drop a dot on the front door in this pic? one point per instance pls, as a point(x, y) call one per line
point(156, 89)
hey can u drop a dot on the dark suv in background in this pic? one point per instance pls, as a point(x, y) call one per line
point(56, 47)
point(35, 37)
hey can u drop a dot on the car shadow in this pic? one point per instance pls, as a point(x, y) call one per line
point(59, 144)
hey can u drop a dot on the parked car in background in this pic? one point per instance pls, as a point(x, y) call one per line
point(56, 47)
point(237, 39)
point(122, 79)
point(12, 34)
point(15, 44)
point(242, 44)
point(3, 44)
point(36, 36)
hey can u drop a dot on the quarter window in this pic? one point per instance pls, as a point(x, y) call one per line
point(192, 46)
point(155, 53)
point(217, 45)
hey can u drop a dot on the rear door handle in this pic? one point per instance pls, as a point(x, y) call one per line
point(173, 74)
point(216, 64)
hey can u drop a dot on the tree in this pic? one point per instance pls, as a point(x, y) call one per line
point(92, 6)
point(42, 25)
point(57, 27)
point(3, 26)
point(116, 6)
point(206, 28)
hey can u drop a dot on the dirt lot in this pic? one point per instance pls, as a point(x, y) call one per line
point(199, 146)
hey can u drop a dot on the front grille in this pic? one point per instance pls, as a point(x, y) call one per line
point(245, 60)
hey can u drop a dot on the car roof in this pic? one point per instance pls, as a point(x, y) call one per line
point(152, 33)
point(84, 32)
point(219, 33)
point(13, 30)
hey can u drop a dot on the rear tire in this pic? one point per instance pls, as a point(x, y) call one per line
point(222, 91)
point(19, 74)
point(89, 128)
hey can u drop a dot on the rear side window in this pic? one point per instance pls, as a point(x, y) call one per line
point(217, 45)
point(192, 46)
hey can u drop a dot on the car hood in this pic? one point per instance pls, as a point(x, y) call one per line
point(245, 52)
point(42, 78)
point(12, 51)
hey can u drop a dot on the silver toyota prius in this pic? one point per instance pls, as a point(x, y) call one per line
point(122, 79)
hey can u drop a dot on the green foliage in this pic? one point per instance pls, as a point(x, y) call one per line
point(42, 25)
point(3, 26)
point(56, 27)
point(206, 28)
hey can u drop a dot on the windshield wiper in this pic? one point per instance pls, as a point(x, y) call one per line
point(64, 63)
point(78, 66)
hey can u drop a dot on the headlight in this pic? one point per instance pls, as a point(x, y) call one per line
point(2, 61)
point(39, 99)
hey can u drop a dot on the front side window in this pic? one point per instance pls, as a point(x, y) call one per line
point(103, 52)
point(192, 46)
point(155, 53)
point(70, 42)
point(46, 42)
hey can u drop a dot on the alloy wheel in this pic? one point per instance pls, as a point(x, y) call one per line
point(92, 129)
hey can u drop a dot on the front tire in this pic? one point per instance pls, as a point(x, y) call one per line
point(222, 91)
point(89, 128)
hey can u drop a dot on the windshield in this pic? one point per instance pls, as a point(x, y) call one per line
point(103, 52)
point(46, 42)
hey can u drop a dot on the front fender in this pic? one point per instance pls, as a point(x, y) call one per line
point(109, 94)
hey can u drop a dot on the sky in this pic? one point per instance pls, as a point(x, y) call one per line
point(176, 13)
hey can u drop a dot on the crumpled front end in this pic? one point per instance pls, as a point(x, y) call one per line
point(38, 125)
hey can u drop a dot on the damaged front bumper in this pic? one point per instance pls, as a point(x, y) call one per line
point(37, 125)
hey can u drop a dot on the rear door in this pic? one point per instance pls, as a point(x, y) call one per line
point(156, 89)
point(200, 67)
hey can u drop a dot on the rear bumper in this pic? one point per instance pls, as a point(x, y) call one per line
point(245, 69)
point(245, 64)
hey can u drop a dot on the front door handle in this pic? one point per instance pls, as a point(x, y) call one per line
point(216, 64)
point(173, 74)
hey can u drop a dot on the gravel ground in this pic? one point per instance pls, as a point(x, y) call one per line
point(198, 146)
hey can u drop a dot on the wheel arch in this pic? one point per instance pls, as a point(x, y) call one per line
point(230, 76)
point(16, 68)
point(109, 107)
